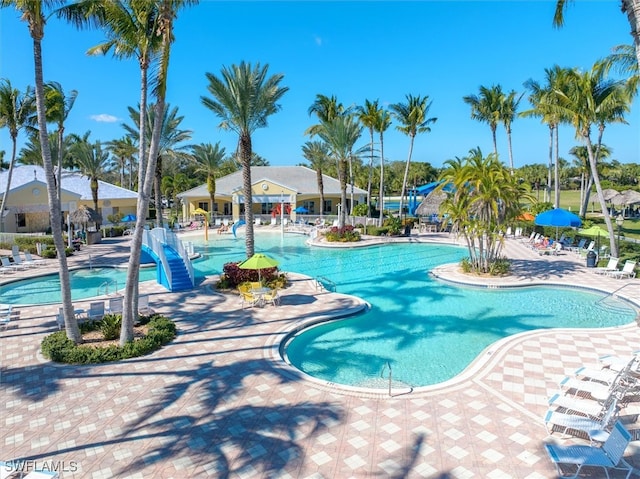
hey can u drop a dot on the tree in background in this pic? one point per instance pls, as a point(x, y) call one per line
point(486, 107)
point(317, 154)
point(209, 159)
point(93, 161)
point(124, 149)
point(508, 110)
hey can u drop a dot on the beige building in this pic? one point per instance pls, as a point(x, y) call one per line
point(272, 186)
point(27, 208)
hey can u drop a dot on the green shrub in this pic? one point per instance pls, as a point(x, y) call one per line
point(232, 275)
point(465, 265)
point(345, 234)
point(500, 267)
point(110, 326)
point(59, 348)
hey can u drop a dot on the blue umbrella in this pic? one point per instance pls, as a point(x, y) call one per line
point(128, 218)
point(301, 209)
point(559, 218)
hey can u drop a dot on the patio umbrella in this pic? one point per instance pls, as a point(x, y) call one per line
point(301, 209)
point(595, 232)
point(526, 216)
point(128, 218)
point(259, 261)
point(559, 218)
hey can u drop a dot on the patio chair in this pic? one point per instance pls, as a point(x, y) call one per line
point(143, 305)
point(612, 265)
point(115, 305)
point(18, 260)
point(5, 316)
point(627, 271)
point(30, 259)
point(581, 426)
point(577, 248)
point(9, 265)
point(272, 297)
point(608, 456)
point(580, 407)
point(587, 389)
point(96, 311)
point(246, 296)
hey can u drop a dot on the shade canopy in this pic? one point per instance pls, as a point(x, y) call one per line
point(301, 209)
point(128, 218)
point(594, 231)
point(84, 215)
point(259, 261)
point(609, 193)
point(559, 218)
point(526, 216)
point(431, 203)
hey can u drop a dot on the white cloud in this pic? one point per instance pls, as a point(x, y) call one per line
point(104, 118)
point(318, 40)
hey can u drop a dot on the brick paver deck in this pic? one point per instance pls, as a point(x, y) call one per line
point(219, 401)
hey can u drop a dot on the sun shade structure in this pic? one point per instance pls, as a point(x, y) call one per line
point(431, 204)
point(259, 261)
point(301, 209)
point(128, 218)
point(559, 218)
point(526, 216)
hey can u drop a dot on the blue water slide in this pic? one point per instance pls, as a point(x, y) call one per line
point(236, 226)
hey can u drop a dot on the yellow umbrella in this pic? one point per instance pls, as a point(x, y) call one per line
point(200, 211)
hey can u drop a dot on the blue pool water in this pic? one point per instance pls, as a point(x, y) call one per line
point(427, 330)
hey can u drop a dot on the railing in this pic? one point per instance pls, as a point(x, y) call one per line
point(106, 285)
point(322, 283)
point(388, 365)
point(156, 238)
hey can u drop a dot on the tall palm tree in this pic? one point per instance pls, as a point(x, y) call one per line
point(543, 98)
point(326, 109)
point(244, 98)
point(92, 160)
point(412, 116)
point(508, 111)
point(581, 156)
point(590, 100)
point(630, 7)
point(317, 154)
point(170, 147)
point(369, 115)
point(486, 107)
point(16, 112)
point(341, 135)
point(209, 158)
point(124, 149)
point(623, 59)
point(33, 13)
point(383, 122)
point(58, 105)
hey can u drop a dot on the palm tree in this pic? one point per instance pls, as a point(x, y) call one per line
point(508, 111)
point(33, 13)
point(623, 59)
point(486, 195)
point(317, 154)
point(93, 161)
point(58, 105)
point(209, 158)
point(169, 144)
point(244, 97)
point(542, 98)
point(340, 135)
point(382, 123)
point(326, 109)
point(412, 117)
point(486, 108)
point(16, 112)
point(630, 7)
point(369, 115)
point(124, 149)
point(590, 100)
point(581, 156)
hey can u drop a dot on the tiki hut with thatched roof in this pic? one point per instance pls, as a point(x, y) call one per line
point(88, 220)
point(431, 203)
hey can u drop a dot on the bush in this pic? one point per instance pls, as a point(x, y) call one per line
point(345, 234)
point(232, 276)
point(59, 348)
point(110, 326)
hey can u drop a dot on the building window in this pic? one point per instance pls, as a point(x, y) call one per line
point(310, 206)
point(21, 220)
point(203, 205)
point(227, 209)
point(327, 206)
point(266, 208)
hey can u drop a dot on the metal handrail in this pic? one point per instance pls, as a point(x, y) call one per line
point(106, 285)
point(322, 280)
point(156, 238)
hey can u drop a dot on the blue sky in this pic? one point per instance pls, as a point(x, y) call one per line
point(354, 50)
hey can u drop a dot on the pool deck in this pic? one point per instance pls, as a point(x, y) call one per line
point(219, 402)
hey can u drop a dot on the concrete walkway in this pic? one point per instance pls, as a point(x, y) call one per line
point(219, 401)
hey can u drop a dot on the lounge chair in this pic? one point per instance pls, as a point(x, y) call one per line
point(584, 251)
point(143, 304)
point(96, 311)
point(42, 475)
point(18, 260)
point(30, 260)
point(627, 271)
point(612, 265)
point(115, 305)
point(569, 405)
point(579, 246)
point(553, 249)
point(590, 389)
point(5, 316)
point(608, 456)
point(11, 266)
point(575, 425)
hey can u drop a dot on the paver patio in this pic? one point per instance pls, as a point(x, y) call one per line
point(220, 402)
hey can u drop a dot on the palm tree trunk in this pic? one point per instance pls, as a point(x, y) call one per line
point(381, 193)
point(9, 175)
point(245, 158)
point(351, 184)
point(60, 140)
point(632, 9)
point(510, 148)
point(157, 187)
point(321, 190)
point(557, 172)
point(406, 176)
point(70, 321)
point(342, 176)
point(495, 140)
point(370, 177)
point(603, 204)
point(547, 191)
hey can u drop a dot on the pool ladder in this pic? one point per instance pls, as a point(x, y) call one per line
point(106, 286)
point(326, 283)
point(384, 368)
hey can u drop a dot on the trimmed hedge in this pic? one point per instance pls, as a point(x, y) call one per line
point(57, 347)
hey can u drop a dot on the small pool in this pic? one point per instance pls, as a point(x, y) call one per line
point(85, 283)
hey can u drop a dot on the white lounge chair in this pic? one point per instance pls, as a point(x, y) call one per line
point(588, 389)
point(5, 316)
point(627, 271)
point(42, 475)
point(570, 405)
point(579, 246)
point(612, 265)
point(9, 265)
point(18, 260)
point(96, 311)
point(608, 456)
point(31, 260)
point(575, 425)
point(115, 305)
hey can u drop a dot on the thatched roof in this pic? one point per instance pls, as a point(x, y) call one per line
point(84, 215)
point(431, 203)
